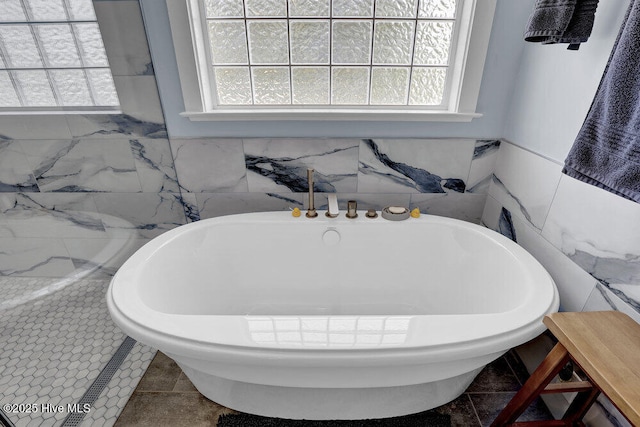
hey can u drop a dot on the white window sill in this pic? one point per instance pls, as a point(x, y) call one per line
point(332, 114)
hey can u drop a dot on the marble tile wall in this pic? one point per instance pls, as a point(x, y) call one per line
point(588, 239)
point(155, 184)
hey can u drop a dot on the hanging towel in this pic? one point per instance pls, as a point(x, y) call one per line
point(606, 152)
point(561, 21)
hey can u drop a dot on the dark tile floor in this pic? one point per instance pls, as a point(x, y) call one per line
point(165, 397)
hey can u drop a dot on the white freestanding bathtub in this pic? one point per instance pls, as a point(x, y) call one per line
point(331, 318)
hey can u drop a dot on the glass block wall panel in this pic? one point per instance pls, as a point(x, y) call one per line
point(437, 9)
point(396, 8)
point(310, 8)
point(350, 85)
point(228, 40)
point(427, 86)
point(102, 87)
point(72, 87)
point(81, 10)
point(58, 46)
point(268, 42)
point(46, 10)
point(35, 87)
point(433, 43)
point(12, 11)
point(389, 86)
point(264, 8)
point(393, 42)
point(52, 55)
point(352, 8)
point(310, 85)
point(90, 44)
point(9, 96)
point(351, 42)
point(343, 50)
point(224, 8)
point(271, 85)
point(233, 85)
point(20, 50)
point(309, 42)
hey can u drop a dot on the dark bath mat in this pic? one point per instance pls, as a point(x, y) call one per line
point(422, 419)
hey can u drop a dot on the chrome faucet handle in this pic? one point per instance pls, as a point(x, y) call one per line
point(311, 212)
point(352, 209)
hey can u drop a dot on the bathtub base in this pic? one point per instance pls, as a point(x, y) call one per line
point(329, 403)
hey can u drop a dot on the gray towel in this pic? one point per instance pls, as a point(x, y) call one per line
point(561, 21)
point(606, 152)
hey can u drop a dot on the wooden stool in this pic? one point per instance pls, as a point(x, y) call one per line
point(606, 347)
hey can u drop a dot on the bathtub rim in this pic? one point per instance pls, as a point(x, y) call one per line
point(135, 315)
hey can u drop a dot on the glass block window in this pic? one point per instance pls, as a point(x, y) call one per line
point(330, 52)
point(52, 57)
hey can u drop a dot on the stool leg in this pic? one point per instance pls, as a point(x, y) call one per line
point(549, 368)
point(580, 405)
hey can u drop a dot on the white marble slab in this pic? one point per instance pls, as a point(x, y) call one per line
point(280, 165)
point(154, 164)
point(603, 299)
point(15, 172)
point(574, 284)
point(525, 183)
point(46, 126)
point(124, 38)
point(82, 165)
point(596, 229)
point(218, 204)
point(463, 206)
point(37, 257)
point(483, 164)
point(107, 126)
point(139, 97)
point(13, 204)
point(414, 165)
point(150, 214)
point(210, 165)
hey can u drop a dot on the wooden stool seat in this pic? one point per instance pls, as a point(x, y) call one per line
point(606, 347)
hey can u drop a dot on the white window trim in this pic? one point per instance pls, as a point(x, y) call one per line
point(470, 53)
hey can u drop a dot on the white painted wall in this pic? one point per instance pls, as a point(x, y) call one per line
point(554, 87)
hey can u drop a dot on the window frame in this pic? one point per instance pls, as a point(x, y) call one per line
point(470, 50)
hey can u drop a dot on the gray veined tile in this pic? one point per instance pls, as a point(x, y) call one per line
point(463, 206)
point(414, 165)
point(483, 165)
point(280, 165)
point(38, 257)
point(139, 98)
point(83, 165)
point(605, 298)
point(51, 126)
point(598, 230)
point(15, 172)
point(524, 183)
point(150, 214)
point(210, 165)
point(154, 163)
point(218, 204)
point(124, 38)
point(17, 204)
point(108, 126)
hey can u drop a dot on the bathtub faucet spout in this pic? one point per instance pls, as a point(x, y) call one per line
point(311, 213)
